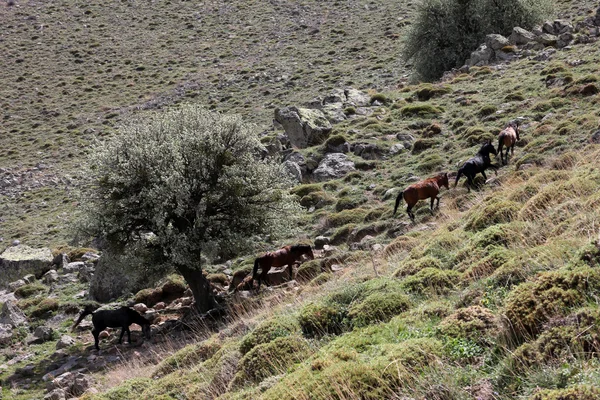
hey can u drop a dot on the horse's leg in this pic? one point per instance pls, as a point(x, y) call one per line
point(438, 202)
point(410, 214)
point(96, 338)
point(122, 333)
point(470, 182)
point(431, 207)
point(128, 335)
point(484, 175)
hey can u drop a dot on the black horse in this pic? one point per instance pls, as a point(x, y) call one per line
point(122, 317)
point(478, 164)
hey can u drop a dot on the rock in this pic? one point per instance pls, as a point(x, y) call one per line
point(278, 276)
point(6, 334)
point(293, 170)
point(333, 166)
point(72, 383)
point(90, 257)
point(60, 260)
point(56, 394)
point(304, 127)
point(368, 151)
point(187, 301)
point(140, 307)
point(73, 267)
point(321, 241)
point(377, 247)
point(16, 284)
point(495, 41)
point(104, 335)
point(84, 325)
point(160, 306)
point(406, 138)
point(329, 250)
point(357, 98)
point(481, 56)
point(505, 55)
point(85, 274)
point(12, 315)
point(50, 276)
point(397, 149)
point(564, 39)
point(521, 36)
point(43, 333)
point(595, 138)
point(561, 26)
point(547, 39)
point(391, 193)
point(20, 260)
point(65, 341)
point(29, 278)
point(548, 27)
point(337, 96)
point(334, 113)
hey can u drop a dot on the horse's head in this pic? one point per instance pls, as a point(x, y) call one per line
point(443, 181)
point(487, 148)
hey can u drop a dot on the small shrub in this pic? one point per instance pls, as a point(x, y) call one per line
point(349, 203)
point(335, 140)
point(476, 135)
point(493, 211)
point(474, 323)
point(30, 290)
point(43, 308)
point(317, 319)
point(514, 96)
point(420, 110)
point(268, 331)
point(219, 278)
point(427, 91)
point(380, 98)
point(321, 279)
point(411, 266)
point(303, 190)
point(431, 279)
point(148, 296)
point(174, 285)
point(318, 200)
point(579, 392)
point(487, 110)
point(420, 145)
point(430, 162)
point(349, 111)
point(341, 234)
point(378, 307)
point(189, 356)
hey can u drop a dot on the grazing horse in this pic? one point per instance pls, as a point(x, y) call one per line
point(508, 137)
point(122, 317)
point(287, 255)
point(421, 191)
point(477, 164)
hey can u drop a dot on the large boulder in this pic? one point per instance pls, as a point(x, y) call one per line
point(547, 39)
point(357, 98)
point(293, 170)
point(304, 127)
point(12, 315)
point(18, 261)
point(333, 166)
point(6, 334)
point(496, 41)
point(520, 36)
point(481, 56)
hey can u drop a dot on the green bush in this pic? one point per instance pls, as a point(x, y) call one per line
point(219, 278)
point(267, 331)
point(349, 203)
point(318, 200)
point(30, 290)
point(44, 308)
point(476, 135)
point(494, 210)
point(431, 279)
point(474, 323)
point(189, 356)
point(353, 216)
point(420, 110)
point(308, 270)
point(271, 358)
point(487, 110)
point(412, 266)
point(579, 392)
point(378, 307)
point(341, 234)
point(303, 190)
point(429, 163)
point(444, 33)
point(318, 319)
point(428, 91)
point(420, 145)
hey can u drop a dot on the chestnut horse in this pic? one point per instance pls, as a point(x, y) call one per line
point(508, 137)
point(287, 255)
point(477, 164)
point(421, 191)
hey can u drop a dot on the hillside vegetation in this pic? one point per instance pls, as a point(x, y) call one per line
point(495, 296)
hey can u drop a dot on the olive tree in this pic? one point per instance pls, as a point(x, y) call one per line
point(189, 184)
point(445, 32)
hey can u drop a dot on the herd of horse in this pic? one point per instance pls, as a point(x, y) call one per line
point(290, 255)
point(430, 188)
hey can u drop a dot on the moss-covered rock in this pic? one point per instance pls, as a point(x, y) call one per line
point(474, 323)
point(43, 309)
point(267, 331)
point(218, 278)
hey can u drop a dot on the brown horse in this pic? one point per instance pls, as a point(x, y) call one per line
point(508, 137)
point(429, 188)
point(287, 255)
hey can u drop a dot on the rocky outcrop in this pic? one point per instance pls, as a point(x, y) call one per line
point(18, 261)
point(304, 127)
point(12, 315)
point(333, 166)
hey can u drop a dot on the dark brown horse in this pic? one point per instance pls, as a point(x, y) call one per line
point(429, 188)
point(287, 255)
point(508, 137)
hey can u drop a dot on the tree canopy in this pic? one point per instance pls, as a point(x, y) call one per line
point(193, 184)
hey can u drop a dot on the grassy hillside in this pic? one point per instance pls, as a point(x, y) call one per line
point(493, 297)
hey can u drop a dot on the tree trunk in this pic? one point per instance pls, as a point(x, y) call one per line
point(200, 287)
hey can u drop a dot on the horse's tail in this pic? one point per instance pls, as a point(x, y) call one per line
point(500, 144)
point(255, 269)
point(398, 199)
point(89, 309)
point(460, 172)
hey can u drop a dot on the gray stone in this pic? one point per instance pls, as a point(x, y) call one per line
point(505, 55)
point(368, 151)
point(595, 138)
point(495, 41)
point(334, 113)
point(65, 341)
point(18, 261)
point(12, 315)
point(337, 96)
point(333, 166)
point(60, 260)
point(16, 284)
point(90, 257)
point(520, 36)
point(564, 39)
point(293, 170)
point(561, 26)
point(43, 333)
point(29, 278)
point(50, 276)
point(321, 241)
point(548, 27)
point(481, 56)
point(140, 307)
point(397, 149)
point(56, 394)
point(5, 334)
point(304, 127)
point(391, 193)
point(357, 98)
point(547, 39)
point(73, 267)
